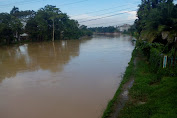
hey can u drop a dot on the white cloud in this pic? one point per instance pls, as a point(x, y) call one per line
point(128, 17)
point(133, 15)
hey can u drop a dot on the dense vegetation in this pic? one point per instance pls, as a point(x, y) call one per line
point(153, 95)
point(156, 29)
point(109, 29)
point(157, 22)
point(48, 23)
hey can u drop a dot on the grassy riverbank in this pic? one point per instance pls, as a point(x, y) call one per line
point(150, 96)
point(127, 76)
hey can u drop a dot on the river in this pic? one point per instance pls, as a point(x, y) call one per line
point(64, 79)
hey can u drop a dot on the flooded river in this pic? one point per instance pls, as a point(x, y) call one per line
point(65, 79)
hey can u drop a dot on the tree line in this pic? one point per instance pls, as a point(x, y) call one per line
point(110, 29)
point(48, 23)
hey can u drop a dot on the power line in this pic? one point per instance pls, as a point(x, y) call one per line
point(16, 3)
point(119, 6)
point(21, 2)
point(111, 22)
point(33, 1)
point(106, 16)
point(73, 3)
point(111, 25)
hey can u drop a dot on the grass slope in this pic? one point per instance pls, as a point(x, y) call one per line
point(128, 74)
point(151, 97)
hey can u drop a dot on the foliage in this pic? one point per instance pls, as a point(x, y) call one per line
point(85, 31)
point(132, 31)
point(154, 53)
point(148, 48)
point(153, 94)
point(47, 23)
point(22, 15)
point(50, 21)
point(155, 17)
point(9, 26)
point(155, 59)
point(151, 97)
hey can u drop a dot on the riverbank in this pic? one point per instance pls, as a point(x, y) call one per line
point(150, 96)
point(111, 109)
point(30, 41)
point(112, 34)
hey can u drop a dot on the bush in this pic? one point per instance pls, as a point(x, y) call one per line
point(153, 52)
point(156, 59)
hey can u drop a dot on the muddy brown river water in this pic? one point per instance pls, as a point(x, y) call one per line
point(65, 79)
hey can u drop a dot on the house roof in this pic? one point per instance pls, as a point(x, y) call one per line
point(24, 34)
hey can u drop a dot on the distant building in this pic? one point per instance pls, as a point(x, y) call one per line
point(124, 27)
point(24, 36)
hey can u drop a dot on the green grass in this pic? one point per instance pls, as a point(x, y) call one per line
point(151, 97)
point(128, 73)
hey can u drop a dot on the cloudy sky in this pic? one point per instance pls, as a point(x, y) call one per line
point(92, 13)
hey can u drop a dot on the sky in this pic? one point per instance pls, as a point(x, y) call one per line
point(92, 13)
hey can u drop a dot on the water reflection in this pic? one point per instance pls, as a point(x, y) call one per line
point(34, 56)
point(65, 79)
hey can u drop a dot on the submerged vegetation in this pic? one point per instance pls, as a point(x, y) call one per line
point(48, 23)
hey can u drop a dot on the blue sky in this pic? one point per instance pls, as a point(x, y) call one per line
point(107, 12)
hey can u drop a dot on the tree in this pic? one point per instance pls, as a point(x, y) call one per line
point(45, 24)
point(54, 13)
point(50, 23)
point(15, 11)
point(32, 29)
point(22, 15)
point(155, 17)
point(109, 29)
point(8, 27)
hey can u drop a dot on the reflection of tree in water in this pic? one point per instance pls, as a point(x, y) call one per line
point(11, 62)
point(34, 56)
point(52, 56)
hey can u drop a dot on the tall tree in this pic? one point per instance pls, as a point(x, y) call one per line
point(8, 27)
point(51, 23)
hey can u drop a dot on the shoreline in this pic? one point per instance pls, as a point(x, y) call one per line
point(116, 33)
point(114, 106)
point(142, 93)
point(30, 41)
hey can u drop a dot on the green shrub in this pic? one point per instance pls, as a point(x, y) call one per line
point(155, 59)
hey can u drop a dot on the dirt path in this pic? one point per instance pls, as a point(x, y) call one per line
point(124, 95)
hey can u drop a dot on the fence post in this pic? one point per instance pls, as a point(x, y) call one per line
point(165, 61)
